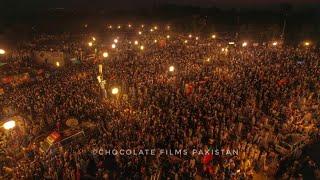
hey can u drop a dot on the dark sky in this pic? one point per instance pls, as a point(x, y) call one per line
point(129, 4)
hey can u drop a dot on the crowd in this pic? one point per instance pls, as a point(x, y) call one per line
point(218, 96)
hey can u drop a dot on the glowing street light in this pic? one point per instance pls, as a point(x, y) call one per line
point(129, 25)
point(197, 38)
point(90, 44)
point(151, 30)
point(275, 43)
point(155, 27)
point(171, 68)
point(93, 38)
point(9, 125)
point(136, 42)
point(140, 33)
point(115, 91)
point(222, 49)
point(208, 59)
point(190, 35)
point(105, 54)
point(110, 27)
point(141, 48)
point(115, 40)
point(185, 41)
point(113, 46)
point(58, 64)
point(155, 41)
point(168, 36)
point(168, 27)
point(307, 43)
point(119, 27)
point(213, 36)
point(231, 43)
point(244, 44)
point(2, 51)
point(142, 25)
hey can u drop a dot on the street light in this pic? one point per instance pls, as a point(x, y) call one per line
point(58, 64)
point(151, 30)
point(155, 27)
point(136, 42)
point(115, 91)
point(208, 59)
point(244, 44)
point(275, 43)
point(9, 125)
point(90, 44)
point(129, 25)
point(185, 41)
point(171, 68)
point(93, 38)
point(105, 54)
point(141, 48)
point(115, 40)
point(168, 36)
point(307, 43)
point(190, 36)
point(113, 46)
point(142, 25)
point(155, 41)
point(197, 38)
point(119, 27)
point(2, 51)
point(140, 32)
point(110, 27)
point(213, 36)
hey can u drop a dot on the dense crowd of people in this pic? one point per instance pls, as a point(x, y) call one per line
point(218, 96)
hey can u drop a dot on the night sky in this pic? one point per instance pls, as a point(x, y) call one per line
point(132, 4)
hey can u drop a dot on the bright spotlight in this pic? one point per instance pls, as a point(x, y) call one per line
point(244, 44)
point(171, 68)
point(105, 54)
point(2, 51)
point(213, 36)
point(9, 125)
point(115, 91)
